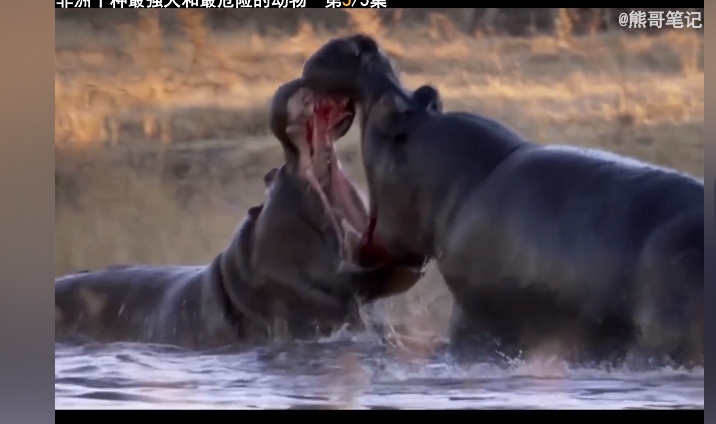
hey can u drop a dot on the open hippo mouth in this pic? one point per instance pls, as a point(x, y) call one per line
point(316, 122)
point(355, 67)
point(332, 117)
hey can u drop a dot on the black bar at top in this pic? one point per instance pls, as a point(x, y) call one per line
point(225, 4)
point(292, 4)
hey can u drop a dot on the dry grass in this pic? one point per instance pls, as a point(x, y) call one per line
point(161, 139)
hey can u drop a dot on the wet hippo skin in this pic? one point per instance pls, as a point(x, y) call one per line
point(582, 252)
point(284, 274)
point(222, 303)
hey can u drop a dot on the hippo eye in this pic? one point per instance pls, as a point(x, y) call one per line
point(401, 137)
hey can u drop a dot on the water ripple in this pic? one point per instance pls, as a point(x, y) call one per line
point(347, 373)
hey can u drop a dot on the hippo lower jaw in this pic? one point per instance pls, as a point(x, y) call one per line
point(316, 123)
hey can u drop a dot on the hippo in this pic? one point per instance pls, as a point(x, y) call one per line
point(580, 252)
point(285, 274)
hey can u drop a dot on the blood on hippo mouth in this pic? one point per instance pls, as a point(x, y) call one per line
point(329, 119)
point(331, 116)
point(317, 122)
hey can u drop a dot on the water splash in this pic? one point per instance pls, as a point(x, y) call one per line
point(345, 370)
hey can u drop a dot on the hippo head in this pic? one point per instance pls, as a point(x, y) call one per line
point(353, 66)
point(389, 123)
point(357, 68)
point(307, 125)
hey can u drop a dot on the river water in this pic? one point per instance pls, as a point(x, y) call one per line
point(349, 371)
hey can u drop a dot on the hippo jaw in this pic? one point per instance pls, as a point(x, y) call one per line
point(314, 124)
point(353, 66)
point(357, 68)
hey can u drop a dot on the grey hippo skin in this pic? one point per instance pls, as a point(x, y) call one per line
point(186, 306)
point(285, 273)
point(307, 125)
point(581, 252)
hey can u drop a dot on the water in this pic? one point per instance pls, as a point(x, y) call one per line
point(349, 372)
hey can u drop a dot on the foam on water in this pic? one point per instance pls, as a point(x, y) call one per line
point(349, 371)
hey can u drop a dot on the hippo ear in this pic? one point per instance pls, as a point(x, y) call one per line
point(427, 97)
point(364, 47)
point(255, 211)
point(364, 43)
point(270, 177)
